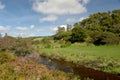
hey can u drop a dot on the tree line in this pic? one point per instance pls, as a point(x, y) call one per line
point(102, 28)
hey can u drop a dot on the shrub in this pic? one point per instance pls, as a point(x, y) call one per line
point(7, 43)
point(23, 47)
point(6, 57)
point(110, 38)
point(104, 38)
point(18, 46)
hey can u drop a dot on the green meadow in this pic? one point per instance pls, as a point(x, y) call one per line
point(105, 58)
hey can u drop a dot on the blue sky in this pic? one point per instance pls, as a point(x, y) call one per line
point(42, 17)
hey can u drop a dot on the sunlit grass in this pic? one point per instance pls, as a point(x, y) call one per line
point(106, 58)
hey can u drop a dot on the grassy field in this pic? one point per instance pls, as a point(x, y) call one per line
point(105, 58)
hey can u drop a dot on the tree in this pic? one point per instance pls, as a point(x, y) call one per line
point(116, 29)
point(116, 16)
point(78, 34)
point(60, 30)
point(59, 34)
point(106, 19)
point(69, 27)
point(103, 28)
point(63, 34)
point(98, 28)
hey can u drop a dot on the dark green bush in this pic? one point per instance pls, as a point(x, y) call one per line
point(78, 34)
point(104, 38)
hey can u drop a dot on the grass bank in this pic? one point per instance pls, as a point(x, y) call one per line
point(105, 58)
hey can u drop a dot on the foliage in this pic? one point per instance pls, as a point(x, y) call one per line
point(103, 28)
point(18, 46)
point(28, 69)
point(46, 40)
point(109, 38)
point(66, 45)
point(78, 34)
point(6, 57)
point(7, 43)
point(104, 38)
point(23, 47)
point(63, 34)
point(103, 23)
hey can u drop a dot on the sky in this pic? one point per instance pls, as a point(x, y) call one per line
point(27, 18)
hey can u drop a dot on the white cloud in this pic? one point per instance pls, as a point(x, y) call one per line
point(21, 28)
point(39, 30)
point(4, 29)
point(55, 8)
point(49, 18)
point(54, 29)
point(85, 1)
point(32, 26)
point(82, 18)
point(65, 26)
point(22, 34)
point(59, 7)
point(75, 19)
point(2, 6)
point(70, 20)
point(24, 31)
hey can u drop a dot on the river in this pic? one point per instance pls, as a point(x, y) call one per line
point(77, 69)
